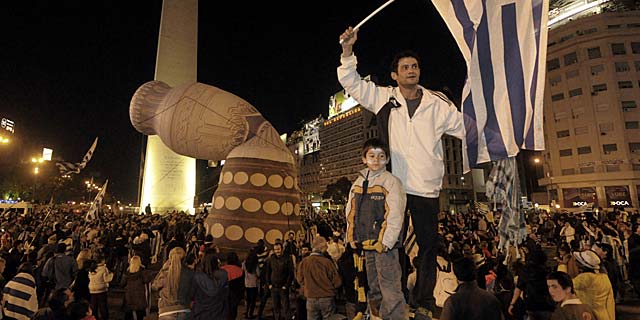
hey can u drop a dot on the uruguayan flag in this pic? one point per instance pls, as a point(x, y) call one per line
point(92, 214)
point(67, 168)
point(504, 45)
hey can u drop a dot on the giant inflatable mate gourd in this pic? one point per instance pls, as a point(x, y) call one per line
point(257, 195)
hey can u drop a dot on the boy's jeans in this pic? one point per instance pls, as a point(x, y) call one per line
point(385, 290)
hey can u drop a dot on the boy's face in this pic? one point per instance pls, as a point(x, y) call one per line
point(375, 159)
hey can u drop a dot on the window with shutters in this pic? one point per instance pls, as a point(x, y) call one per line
point(566, 152)
point(606, 127)
point(584, 150)
point(599, 87)
point(631, 125)
point(608, 148)
point(573, 73)
point(628, 106)
point(634, 147)
point(575, 92)
point(557, 97)
point(581, 130)
point(563, 133)
point(594, 53)
point(555, 81)
point(595, 70)
point(621, 66)
point(586, 170)
point(568, 172)
point(625, 84)
point(602, 108)
point(635, 47)
point(570, 58)
point(618, 49)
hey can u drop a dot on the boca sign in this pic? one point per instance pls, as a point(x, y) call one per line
point(618, 196)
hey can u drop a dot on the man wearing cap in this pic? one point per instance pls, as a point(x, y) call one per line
point(319, 279)
point(593, 287)
point(469, 301)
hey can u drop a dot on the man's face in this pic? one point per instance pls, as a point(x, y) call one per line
point(375, 159)
point(557, 293)
point(304, 251)
point(408, 72)
point(277, 250)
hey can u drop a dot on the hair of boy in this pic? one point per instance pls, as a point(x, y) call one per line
point(564, 280)
point(374, 143)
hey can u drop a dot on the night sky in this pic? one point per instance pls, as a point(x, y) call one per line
point(69, 68)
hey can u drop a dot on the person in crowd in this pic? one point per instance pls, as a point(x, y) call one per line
point(532, 283)
point(174, 283)
point(469, 301)
point(3, 280)
point(56, 308)
point(320, 281)
point(210, 289)
point(80, 310)
point(593, 287)
point(419, 164)
point(135, 282)
point(61, 268)
point(99, 278)
point(80, 286)
point(279, 277)
point(570, 307)
point(231, 264)
point(568, 232)
point(375, 214)
point(250, 269)
point(19, 298)
point(301, 301)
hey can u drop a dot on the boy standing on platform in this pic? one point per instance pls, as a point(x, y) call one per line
point(375, 215)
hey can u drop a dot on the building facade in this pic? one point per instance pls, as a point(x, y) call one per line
point(342, 138)
point(592, 122)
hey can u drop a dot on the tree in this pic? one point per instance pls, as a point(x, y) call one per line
point(338, 191)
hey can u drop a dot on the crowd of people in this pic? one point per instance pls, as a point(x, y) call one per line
point(55, 265)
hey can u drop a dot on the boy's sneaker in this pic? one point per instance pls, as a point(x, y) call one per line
point(422, 314)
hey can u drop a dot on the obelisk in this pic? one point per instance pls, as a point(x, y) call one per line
point(169, 179)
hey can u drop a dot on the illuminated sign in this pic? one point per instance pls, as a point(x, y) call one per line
point(618, 196)
point(47, 154)
point(570, 9)
point(342, 116)
point(576, 197)
point(311, 136)
point(6, 124)
point(620, 203)
point(341, 102)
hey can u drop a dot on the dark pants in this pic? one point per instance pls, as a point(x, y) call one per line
point(301, 308)
point(99, 306)
point(280, 299)
point(424, 215)
point(252, 294)
point(135, 315)
point(265, 293)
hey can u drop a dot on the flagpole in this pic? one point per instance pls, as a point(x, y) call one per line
point(369, 17)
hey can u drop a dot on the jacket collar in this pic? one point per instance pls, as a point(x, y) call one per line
point(571, 301)
point(372, 175)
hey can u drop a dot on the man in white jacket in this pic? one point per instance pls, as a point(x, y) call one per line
point(412, 121)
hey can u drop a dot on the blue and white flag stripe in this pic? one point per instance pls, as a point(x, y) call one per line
point(67, 168)
point(504, 45)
